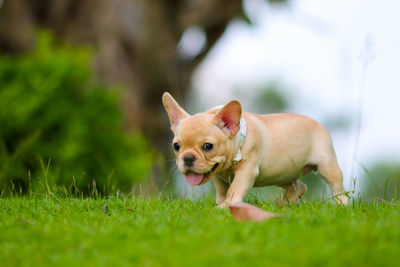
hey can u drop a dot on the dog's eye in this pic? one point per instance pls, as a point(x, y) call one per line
point(207, 146)
point(177, 146)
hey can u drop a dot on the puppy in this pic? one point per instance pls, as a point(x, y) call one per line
point(241, 150)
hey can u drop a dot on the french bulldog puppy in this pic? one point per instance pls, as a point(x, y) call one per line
point(241, 150)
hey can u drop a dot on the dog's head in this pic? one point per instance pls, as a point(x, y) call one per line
point(204, 142)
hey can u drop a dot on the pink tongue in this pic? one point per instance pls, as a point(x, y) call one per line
point(194, 179)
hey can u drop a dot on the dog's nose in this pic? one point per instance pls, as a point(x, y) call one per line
point(188, 160)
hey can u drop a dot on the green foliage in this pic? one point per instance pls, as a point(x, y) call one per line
point(52, 231)
point(381, 181)
point(56, 123)
point(272, 99)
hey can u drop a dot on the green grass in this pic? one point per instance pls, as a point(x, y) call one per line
point(54, 231)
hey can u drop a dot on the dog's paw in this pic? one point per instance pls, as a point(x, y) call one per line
point(224, 205)
point(285, 201)
point(341, 199)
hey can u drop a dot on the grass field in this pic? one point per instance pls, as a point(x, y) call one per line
point(62, 231)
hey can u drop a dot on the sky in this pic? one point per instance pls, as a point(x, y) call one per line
point(335, 58)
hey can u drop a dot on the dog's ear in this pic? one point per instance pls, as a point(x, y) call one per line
point(228, 118)
point(175, 112)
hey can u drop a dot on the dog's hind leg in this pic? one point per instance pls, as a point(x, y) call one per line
point(332, 174)
point(293, 191)
point(324, 157)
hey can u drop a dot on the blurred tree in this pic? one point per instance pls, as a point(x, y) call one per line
point(57, 123)
point(136, 43)
point(272, 98)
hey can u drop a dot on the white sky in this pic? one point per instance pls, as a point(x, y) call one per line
point(315, 47)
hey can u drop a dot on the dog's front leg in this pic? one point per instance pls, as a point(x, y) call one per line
point(241, 184)
point(221, 188)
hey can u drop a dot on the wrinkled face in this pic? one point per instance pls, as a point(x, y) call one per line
point(200, 148)
point(202, 142)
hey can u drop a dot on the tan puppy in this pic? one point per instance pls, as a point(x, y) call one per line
point(242, 150)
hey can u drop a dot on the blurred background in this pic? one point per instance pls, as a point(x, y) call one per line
point(81, 84)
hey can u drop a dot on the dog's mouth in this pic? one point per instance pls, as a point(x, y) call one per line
point(194, 178)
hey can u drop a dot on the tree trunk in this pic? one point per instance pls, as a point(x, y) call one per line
point(135, 43)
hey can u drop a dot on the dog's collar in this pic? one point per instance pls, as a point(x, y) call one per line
point(242, 132)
